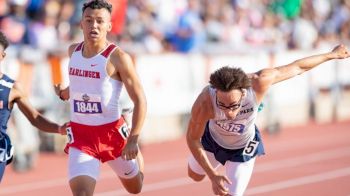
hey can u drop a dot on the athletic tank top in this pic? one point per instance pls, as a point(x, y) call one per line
point(94, 95)
point(6, 85)
point(234, 133)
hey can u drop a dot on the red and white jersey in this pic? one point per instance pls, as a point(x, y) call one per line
point(94, 95)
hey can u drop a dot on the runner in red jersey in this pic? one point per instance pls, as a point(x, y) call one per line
point(98, 70)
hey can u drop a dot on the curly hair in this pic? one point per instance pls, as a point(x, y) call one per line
point(3, 40)
point(98, 4)
point(228, 78)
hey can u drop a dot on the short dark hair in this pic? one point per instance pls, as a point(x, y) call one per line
point(98, 4)
point(3, 40)
point(228, 78)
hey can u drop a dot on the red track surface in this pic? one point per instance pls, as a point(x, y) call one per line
point(308, 160)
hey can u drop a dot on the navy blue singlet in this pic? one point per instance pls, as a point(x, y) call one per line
point(6, 84)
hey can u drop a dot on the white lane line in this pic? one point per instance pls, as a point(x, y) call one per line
point(299, 181)
point(33, 186)
point(325, 155)
point(169, 165)
point(151, 187)
point(304, 142)
point(24, 187)
point(251, 191)
point(300, 160)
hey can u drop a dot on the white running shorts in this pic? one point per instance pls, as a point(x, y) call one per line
point(81, 163)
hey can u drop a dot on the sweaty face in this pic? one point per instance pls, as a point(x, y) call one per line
point(229, 102)
point(96, 23)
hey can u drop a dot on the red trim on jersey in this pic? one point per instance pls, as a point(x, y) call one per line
point(108, 51)
point(80, 46)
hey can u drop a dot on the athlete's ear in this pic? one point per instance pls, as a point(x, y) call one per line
point(109, 26)
point(244, 92)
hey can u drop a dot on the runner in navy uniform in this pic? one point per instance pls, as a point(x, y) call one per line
point(222, 127)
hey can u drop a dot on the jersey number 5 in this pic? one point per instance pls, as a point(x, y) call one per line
point(251, 147)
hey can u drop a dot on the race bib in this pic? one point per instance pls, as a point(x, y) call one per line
point(124, 131)
point(70, 137)
point(236, 127)
point(84, 103)
point(6, 149)
point(250, 148)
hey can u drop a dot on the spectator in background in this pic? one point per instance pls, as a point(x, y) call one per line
point(3, 8)
point(188, 36)
point(287, 8)
point(43, 33)
point(15, 24)
point(64, 27)
point(170, 26)
point(34, 7)
point(118, 17)
point(304, 33)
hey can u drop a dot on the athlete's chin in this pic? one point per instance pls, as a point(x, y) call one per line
point(231, 117)
point(93, 38)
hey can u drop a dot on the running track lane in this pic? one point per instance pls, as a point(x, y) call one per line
point(307, 160)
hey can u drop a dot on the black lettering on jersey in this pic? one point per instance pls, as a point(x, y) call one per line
point(246, 111)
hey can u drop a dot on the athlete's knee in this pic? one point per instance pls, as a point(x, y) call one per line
point(134, 189)
point(194, 176)
point(82, 186)
point(81, 193)
point(133, 185)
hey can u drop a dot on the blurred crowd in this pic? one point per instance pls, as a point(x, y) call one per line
point(40, 31)
point(155, 26)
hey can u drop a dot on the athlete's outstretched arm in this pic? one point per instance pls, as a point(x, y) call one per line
point(36, 119)
point(263, 79)
point(127, 72)
point(201, 112)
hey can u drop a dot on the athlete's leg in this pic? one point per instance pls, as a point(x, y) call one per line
point(130, 172)
point(2, 169)
point(140, 163)
point(195, 171)
point(83, 172)
point(239, 173)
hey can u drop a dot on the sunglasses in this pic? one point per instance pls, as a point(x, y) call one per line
point(231, 107)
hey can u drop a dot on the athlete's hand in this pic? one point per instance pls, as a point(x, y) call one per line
point(341, 52)
point(218, 184)
point(63, 128)
point(62, 93)
point(131, 149)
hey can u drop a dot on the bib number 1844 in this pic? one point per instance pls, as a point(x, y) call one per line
point(87, 107)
